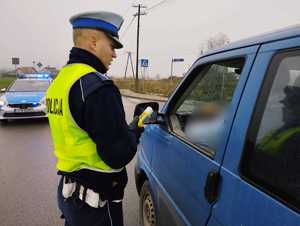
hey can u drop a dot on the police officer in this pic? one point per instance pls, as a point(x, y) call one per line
point(92, 141)
point(277, 153)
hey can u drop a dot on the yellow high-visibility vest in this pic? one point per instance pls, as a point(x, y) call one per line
point(272, 142)
point(73, 147)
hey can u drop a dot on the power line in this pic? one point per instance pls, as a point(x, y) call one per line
point(127, 17)
point(126, 12)
point(156, 5)
point(128, 27)
point(152, 7)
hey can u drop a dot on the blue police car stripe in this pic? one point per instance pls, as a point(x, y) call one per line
point(94, 23)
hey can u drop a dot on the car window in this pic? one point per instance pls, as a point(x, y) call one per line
point(23, 85)
point(199, 114)
point(272, 154)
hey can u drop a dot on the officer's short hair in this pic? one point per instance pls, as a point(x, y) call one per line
point(77, 34)
point(84, 33)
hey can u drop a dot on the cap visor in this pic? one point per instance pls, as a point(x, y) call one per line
point(117, 43)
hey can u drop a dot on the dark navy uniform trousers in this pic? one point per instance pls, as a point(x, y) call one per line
point(78, 213)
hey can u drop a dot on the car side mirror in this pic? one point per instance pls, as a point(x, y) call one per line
point(3, 90)
point(155, 118)
point(140, 108)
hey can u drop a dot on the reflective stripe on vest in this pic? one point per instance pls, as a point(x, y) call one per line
point(272, 142)
point(73, 147)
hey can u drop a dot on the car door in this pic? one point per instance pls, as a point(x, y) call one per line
point(261, 169)
point(190, 145)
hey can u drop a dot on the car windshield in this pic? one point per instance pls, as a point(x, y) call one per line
point(21, 85)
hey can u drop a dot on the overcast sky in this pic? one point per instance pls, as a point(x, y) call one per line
point(39, 30)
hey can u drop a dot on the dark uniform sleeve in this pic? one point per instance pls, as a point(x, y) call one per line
point(105, 123)
point(97, 108)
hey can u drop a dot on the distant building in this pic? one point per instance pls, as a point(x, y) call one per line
point(26, 70)
point(51, 70)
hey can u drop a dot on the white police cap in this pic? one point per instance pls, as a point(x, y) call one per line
point(108, 22)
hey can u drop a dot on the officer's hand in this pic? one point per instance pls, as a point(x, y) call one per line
point(134, 126)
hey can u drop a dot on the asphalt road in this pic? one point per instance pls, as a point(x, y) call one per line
point(28, 179)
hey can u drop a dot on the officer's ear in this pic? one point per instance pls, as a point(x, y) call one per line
point(93, 42)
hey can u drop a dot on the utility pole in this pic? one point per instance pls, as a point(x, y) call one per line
point(129, 59)
point(138, 14)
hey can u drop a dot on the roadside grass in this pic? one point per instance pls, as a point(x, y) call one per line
point(6, 81)
point(163, 87)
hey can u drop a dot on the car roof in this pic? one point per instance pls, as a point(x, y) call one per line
point(284, 33)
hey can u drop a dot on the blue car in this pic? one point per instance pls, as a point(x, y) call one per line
point(224, 149)
point(25, 98)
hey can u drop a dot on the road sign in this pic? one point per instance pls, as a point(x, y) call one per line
point(144, 63)
point(177, 59)
point(39, 64)
point(15, 60)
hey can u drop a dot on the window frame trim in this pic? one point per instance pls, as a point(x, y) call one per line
point(256, 119)
point(191, 76)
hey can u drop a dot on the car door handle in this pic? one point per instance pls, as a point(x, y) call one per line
point(212, 186)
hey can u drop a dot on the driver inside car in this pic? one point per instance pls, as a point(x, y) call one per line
point(205, 125)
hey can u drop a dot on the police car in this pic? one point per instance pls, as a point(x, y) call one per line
point(25, 97)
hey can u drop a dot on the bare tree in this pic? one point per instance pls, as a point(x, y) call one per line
point(214, 42)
